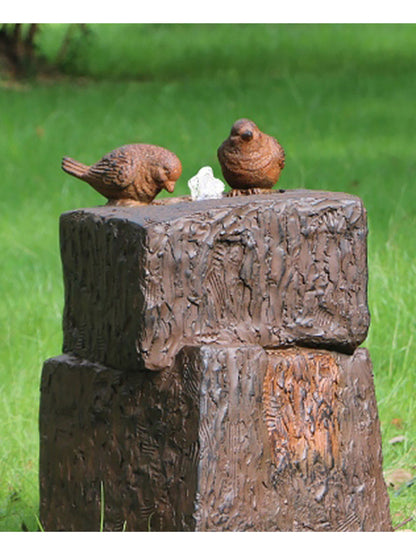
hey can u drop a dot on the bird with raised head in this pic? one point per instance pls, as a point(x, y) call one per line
point(250, 159)
point(131, 174)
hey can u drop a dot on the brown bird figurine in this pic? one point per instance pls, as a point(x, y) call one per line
point(249, 158)
point(130, 174)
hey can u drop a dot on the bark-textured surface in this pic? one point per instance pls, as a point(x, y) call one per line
point(279, 269)
point(228, 438)
point(323, 425)
point(136, 433)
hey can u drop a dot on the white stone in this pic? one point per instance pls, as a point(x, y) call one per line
point(204, 185)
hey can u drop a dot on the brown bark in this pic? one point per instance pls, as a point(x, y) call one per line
point(274, 270)
point(255, 419)
point(229, 438)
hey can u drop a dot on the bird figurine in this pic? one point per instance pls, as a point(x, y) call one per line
point(250, 160)
point(131, 174)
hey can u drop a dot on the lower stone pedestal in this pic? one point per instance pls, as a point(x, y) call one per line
point(228, 439)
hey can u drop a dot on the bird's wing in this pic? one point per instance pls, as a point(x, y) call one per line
point(280, 152)
point(229, 155)
point(115, 171)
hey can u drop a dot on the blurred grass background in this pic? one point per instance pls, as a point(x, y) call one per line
point(340, 99)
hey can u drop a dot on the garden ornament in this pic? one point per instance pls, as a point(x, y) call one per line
point(130, 174)
point(249, 158)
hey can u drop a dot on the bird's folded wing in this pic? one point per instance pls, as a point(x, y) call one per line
point(115, 173)
point(281, 154)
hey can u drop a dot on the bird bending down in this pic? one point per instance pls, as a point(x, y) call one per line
point(249, 159)
point(130, 174)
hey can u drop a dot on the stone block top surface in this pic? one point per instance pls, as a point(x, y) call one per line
point(277, 269)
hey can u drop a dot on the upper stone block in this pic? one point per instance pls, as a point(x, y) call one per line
point(274, 270)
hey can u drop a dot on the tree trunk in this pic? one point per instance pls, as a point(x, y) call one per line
point(18, 48)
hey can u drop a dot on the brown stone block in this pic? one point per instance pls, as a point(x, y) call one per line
point(274, 270)
point(227, 439)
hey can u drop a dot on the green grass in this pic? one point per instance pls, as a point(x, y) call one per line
point(339, 98)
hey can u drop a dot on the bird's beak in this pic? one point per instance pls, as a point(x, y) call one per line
point(170, 186)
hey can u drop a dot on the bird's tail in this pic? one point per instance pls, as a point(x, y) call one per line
point(73, 167)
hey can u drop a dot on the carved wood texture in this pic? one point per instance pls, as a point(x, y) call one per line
point(229, 438)
point(269, 270)
point(255, 419)
point(321, 416)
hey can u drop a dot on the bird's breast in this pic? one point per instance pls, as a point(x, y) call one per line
point(253, 159)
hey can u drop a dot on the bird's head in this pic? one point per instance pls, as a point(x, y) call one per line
point(244, 130)
point(167, 174)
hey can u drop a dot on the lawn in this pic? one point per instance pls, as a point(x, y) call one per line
point(340, 99)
